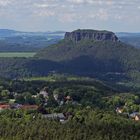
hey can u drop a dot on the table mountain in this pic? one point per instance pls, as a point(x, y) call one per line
point(90, 52)
point(82, 52)
point(92, 35)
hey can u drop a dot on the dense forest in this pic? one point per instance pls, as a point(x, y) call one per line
point(87, 124)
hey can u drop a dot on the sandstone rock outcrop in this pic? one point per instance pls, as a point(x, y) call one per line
point(94, 35)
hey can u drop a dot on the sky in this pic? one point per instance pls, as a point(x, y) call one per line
point(68, 15)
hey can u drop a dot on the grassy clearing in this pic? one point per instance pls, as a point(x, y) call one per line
point(17, 54)
point(49, 79)
point(58, 77)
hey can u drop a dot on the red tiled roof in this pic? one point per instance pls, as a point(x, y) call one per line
point(29, 107)
point(4, 106)
point(68, 98)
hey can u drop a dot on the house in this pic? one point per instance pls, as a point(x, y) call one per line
point(4, 107)
point(135, 116)
point(55, 96)
point(61, 103)
point(11, 101)
point(44, 93)
point(68, 98)
point(34, 96)
point(56, 116)
point(15, 106)
point(119, 110)
point(29, 107)
point(68, 115)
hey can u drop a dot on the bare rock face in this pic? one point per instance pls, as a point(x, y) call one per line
point(93, 35)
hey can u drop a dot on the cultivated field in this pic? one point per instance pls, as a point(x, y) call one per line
point(17, 54)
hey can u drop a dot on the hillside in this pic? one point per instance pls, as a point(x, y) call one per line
point(90, 52)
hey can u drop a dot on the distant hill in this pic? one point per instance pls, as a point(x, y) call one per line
point(127, 34)
point(11, 41)
point(102, 45)
point(78, 43)
point(10, 33)
point(130, 38)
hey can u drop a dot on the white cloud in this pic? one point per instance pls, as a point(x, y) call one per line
point(103, 14)
point(71, 12)
point(76, 1)
point(45, 5)
point(5, 2)
point(105, 2)
point(94, 2)
point(44, 13)
point(118, 17)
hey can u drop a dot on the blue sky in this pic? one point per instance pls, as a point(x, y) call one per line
point(50, 15)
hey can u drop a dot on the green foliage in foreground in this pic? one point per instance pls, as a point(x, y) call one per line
point(93, 118)
point(85, 125)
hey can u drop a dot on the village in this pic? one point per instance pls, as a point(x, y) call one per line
point(134, 115)
point(58, 99)
point(44, 95)
point(47, 99)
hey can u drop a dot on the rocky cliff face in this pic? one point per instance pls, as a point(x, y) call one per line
point(91, 35)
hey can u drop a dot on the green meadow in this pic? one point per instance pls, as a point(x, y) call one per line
point(17, 54)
